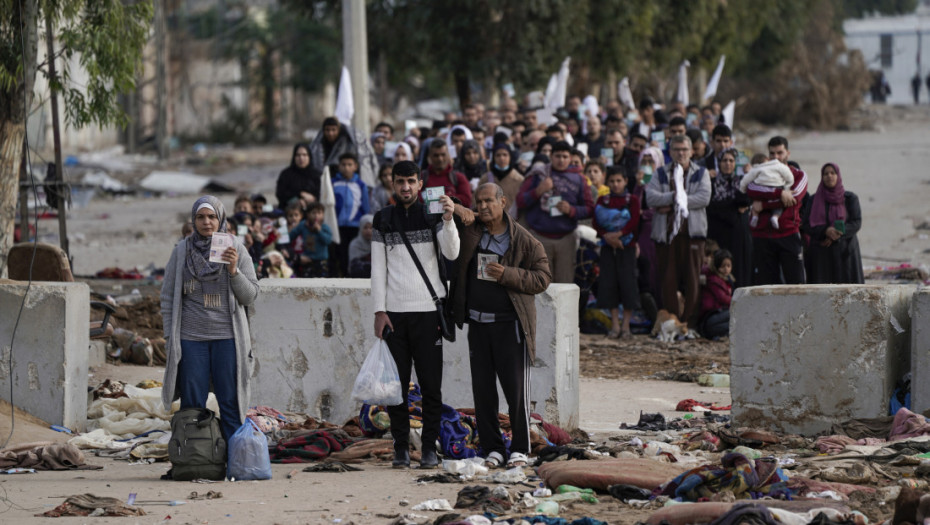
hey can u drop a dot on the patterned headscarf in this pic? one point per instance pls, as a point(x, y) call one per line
point(725, 187)
point(198, 254)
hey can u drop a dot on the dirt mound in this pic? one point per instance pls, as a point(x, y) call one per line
point(644, 356)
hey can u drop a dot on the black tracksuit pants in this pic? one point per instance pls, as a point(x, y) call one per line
point(417, 342)
point(498, 351)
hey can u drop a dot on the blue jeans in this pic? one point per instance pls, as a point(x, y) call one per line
point(202, 361)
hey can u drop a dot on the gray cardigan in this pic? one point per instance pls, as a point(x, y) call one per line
point(243, 289)
point(659, 193)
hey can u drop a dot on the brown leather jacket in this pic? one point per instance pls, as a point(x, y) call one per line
point(526, 273)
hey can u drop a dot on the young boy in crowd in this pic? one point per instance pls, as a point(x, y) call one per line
point(383, 193)
point(351, 204)
point(243, 204)
point(616, 219)
point(315, 238)
point(594, 172)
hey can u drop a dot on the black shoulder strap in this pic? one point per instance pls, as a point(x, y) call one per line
point(416, 260)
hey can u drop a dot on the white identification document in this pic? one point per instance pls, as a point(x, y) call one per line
point(218, 246)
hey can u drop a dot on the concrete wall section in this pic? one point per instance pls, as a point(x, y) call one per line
point(805, 357)
point(920, 350)
point(310, 337)
point(49, 354)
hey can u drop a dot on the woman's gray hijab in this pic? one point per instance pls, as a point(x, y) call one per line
point(198, 255)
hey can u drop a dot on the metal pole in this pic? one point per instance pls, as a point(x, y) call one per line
point(355, 54)
point(56, 135)
point(161, 95)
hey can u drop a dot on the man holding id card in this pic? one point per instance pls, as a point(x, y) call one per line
point(500, 268)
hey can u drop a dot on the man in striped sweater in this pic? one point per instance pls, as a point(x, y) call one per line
point(405, 314)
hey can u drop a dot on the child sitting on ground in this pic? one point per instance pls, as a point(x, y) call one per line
point(315, 238)
point(616, 219)
point(715, 297)
point(771, 174)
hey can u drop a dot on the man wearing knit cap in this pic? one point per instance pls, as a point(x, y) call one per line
point(405, 314)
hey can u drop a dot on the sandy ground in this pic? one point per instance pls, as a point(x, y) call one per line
point(884, 167)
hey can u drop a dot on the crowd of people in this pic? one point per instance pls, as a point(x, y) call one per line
point(644, 208)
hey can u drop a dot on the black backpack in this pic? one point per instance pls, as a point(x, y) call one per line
point(197, 449)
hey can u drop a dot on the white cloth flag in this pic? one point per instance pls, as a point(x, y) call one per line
point(345, 105)
point(681, 200)
point(556, 91)
point(590, 109)
point(683, 82)
point(626, 94)
point(328, 200)
point(711, 88)
point(728, 112)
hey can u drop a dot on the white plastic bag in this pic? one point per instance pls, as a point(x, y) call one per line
point(378, 382)
point(248, 454)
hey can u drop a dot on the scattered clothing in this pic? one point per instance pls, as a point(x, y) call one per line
point(316, 445)
point(88, 504)
point(331, 466)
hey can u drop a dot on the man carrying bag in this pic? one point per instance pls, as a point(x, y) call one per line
point(403, 252)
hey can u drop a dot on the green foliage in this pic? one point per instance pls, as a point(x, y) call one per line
point(106, 37)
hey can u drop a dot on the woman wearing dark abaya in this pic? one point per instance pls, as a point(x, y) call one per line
point(727, 217)
point(831, 218)
point(300, 179)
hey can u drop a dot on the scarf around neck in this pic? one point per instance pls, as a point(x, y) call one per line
point(198, 256)
point(836, 197)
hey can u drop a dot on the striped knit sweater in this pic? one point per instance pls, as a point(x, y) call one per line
point(396, 285)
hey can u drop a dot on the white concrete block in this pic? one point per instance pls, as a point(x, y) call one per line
point(49, 354)
point(920, 350)
point(310, 337)
point(805, 357)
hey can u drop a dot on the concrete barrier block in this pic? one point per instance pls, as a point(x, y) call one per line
point(310, 337)
point(805, 357)
point(920, 350)
point(50, 352)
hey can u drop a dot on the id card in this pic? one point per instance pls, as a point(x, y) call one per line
point(659, 138)
point(553, 208)
point(608, 154)
point(484, 259)
point(840, 226)
point(218, 245)
point(432, 199)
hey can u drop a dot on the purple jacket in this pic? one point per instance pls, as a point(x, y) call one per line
point(572, 187)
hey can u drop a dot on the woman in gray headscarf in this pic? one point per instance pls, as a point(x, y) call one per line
point(203, 311)
point(360, 249)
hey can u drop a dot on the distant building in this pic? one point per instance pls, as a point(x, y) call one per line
point(897, 45)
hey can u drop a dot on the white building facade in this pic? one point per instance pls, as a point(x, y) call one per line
point(897, 45)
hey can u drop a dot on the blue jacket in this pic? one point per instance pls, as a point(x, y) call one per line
point(351, 200)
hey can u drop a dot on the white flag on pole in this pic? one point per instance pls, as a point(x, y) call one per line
point(683, 82)
point(711, 89)
point(626, 94)
point(345, 106)
point(728, 112)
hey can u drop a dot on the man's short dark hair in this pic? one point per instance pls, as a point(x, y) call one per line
point(349, 155)
point(562, 146)
point(613, 131)
point(516, 123)
point(330, 121)
point(436, 144)
point(721, 130)
point(646, 102)
point(677, 121)
point(314, 206)
point(390, 127)
point(778, 140)
point(468, 106)
point(554, 128)
point(405, 168)
point(695, 135)
point(638, 135)
point(613, 118)
point(458, 132)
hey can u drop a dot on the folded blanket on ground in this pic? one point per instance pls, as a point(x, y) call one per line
point(57, 456)
point(600, 474)
point(316, 445)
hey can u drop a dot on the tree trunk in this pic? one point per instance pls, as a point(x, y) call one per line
point(462, 89)
point(15, 104)
point(161, 94)
point(268, 87)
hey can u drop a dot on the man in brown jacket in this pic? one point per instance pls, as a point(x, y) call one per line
point(500, 268)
